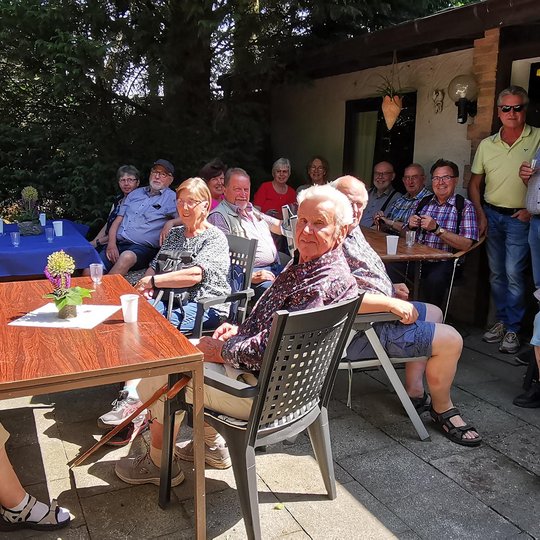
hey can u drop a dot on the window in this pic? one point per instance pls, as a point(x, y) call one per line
point(368, 141)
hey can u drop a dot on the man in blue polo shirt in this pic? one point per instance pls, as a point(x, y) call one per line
point(134, 234)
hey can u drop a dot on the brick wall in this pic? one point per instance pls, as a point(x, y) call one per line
point(485, 58)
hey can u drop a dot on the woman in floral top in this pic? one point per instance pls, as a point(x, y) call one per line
point(207, 274)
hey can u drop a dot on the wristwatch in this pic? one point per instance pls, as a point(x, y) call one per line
point(436, 229)
point(439, 230)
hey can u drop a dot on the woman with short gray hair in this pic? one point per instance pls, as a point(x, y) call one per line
point(271, 196)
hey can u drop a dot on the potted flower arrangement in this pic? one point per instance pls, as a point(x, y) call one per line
point(60, 267)
point(27, 217)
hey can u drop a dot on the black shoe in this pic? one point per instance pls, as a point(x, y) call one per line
point(422, 404)
point(530, 399)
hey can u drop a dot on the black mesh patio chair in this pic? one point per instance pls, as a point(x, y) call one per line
point(297, 375)
point(242, 255)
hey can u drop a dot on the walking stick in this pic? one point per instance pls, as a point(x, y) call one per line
point(110, 434)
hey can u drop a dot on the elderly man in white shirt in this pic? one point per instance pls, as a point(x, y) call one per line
point(236, 215)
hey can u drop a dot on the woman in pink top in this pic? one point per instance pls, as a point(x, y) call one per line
point(271, 196)
point(213, 174)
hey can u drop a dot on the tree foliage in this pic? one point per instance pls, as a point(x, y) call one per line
point(88, 85)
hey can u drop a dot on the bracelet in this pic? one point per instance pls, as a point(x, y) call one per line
point(98, 243)
point(153, 282)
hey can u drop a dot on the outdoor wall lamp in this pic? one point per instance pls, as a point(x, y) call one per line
point(463, 90)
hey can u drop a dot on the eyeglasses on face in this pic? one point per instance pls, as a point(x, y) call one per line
point(190, 203)
point(160, 174)
point(515, 108)
point(128, 180)
point(315, 168)
point(388, 173)
point(446, 178)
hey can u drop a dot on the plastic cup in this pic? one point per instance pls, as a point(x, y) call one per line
point(15, 238)
point(391, 244)
point(58, 228)
point(42, 219)
point(409, 238)
point(96, 272)
point(49, 234)
point(1, 226)
point(130, 307)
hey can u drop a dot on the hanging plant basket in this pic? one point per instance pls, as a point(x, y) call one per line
point(391, 107)
point(392, 95)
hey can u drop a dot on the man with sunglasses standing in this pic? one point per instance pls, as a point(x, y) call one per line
point(134, 234)
point(502, 214)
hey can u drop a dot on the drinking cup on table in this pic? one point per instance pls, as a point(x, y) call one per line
point(58, 228)
point(391, 244)
point(409, 238)
point(42, 219)
point(130, 307)
point(49, 234)
point(96, 272)
point(1, 226)
point(15, 238)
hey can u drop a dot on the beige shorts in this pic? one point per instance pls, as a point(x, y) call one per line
point(213, 399)
point(4, 436)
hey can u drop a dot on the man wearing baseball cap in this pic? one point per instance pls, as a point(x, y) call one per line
point(134, 234)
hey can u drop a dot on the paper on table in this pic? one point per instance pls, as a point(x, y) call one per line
point(88, 316)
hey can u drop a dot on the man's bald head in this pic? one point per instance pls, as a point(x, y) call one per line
point(356, 192)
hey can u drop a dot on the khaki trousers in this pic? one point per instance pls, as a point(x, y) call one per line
point(213, 399)
point(4, 436)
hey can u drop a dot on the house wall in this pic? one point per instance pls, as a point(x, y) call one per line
point(309, 118)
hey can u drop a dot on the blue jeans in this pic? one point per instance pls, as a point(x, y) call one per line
point(534, 244)
point(508, 252)
point(184, 318)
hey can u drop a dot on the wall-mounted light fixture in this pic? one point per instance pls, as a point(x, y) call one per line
point(463, 90)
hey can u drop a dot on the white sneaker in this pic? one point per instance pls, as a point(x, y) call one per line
point(123, 406)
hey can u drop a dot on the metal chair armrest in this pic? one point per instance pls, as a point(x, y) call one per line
point(231, 386)
point(365, 319)
point(245, 294)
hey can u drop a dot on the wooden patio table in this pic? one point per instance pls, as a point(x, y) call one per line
point(416, 253)
point(38, 360)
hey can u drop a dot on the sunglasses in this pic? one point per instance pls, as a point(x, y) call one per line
point(515, 108)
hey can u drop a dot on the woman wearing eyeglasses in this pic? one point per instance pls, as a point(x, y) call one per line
point(317, 172)
point(128, 179)
point(198, 250)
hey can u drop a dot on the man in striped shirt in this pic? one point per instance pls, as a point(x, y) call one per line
point(443, 223)
point(395, 218)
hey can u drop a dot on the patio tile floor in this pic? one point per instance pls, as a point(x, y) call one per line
point(390, 484)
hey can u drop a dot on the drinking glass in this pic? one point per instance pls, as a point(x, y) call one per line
point(49, 234)
point(409, 238)
point(96, 272)
point(15, 238)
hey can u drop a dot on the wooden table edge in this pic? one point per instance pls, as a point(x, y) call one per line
point(58, 383)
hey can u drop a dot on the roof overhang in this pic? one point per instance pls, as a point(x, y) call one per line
point(447, 31)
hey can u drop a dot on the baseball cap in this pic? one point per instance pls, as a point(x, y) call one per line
point(167, 165)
